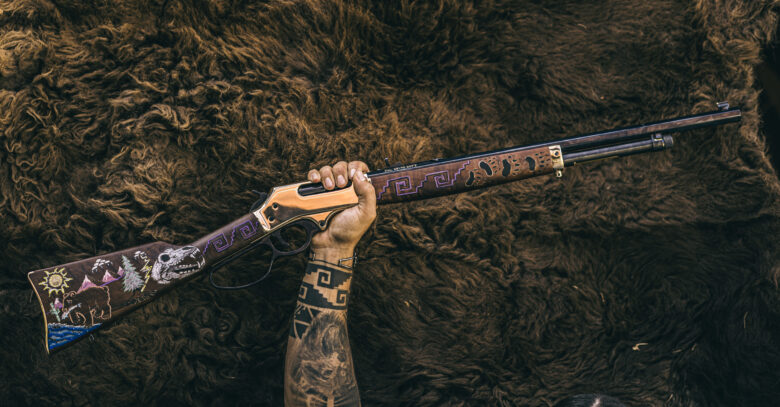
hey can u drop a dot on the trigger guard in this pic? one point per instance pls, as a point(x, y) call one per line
point(278, 236)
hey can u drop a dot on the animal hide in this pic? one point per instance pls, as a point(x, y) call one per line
point(652, 278)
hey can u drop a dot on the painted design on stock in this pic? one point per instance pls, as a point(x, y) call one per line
point(173, 264)
point(102, 268)
point(509, 165)
point(87, 306)
point(55, 308)
point(403, 184)
point(60, 334)
point(55, 282)
point(489, 166)
point(147, 269)
point(220, 243)
point(132, 280)
point(92, 300)
point(79, 304)
point(542, 160)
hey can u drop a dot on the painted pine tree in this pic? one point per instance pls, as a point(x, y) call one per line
point(131, 280)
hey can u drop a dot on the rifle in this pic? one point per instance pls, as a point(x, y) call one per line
point(79, 297)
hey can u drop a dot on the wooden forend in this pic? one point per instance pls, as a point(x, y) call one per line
point(458, 175)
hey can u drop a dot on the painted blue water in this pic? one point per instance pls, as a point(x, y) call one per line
point(60, 334)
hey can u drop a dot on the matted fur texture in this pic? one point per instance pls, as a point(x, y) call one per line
point(653, 279)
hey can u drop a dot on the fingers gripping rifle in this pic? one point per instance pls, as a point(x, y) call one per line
point(79, 297)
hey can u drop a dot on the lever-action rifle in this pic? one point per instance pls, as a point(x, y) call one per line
point(79, 297)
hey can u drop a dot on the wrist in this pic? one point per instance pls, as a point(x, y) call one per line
point(332, 254)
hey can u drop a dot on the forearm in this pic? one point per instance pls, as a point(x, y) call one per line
point(319, 369)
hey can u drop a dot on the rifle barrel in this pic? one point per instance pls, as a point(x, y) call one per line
point(630, 133)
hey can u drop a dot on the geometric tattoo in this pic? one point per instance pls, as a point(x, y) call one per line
point(323, 288)
point(329, 288)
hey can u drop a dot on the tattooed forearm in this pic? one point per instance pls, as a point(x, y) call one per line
point(318, 369)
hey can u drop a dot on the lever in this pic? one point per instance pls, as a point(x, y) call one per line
point(310, 228)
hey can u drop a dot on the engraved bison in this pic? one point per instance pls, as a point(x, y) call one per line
point(87, 307)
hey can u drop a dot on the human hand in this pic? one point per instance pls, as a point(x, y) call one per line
point(346, 228)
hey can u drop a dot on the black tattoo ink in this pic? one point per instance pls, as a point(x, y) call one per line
point(323, 288)
point(327, 287)
point(319, 369)
point(304, 315)
point(321, 372)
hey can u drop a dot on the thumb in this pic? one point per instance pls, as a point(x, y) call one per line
point(365, 193)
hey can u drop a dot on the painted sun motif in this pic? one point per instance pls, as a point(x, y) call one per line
point(55, 282)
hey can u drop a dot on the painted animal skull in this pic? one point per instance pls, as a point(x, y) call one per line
point(173, 264)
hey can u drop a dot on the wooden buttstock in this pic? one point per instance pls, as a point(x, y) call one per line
point(77, 298)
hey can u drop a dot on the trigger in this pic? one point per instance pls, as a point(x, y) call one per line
point(284, 243)
point(262, 197)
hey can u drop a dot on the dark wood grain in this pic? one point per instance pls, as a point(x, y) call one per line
point(78, 297)
point(230, 240)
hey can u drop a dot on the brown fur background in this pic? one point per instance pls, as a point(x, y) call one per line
point(653, 278)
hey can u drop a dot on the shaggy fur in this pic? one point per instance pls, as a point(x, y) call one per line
point(653, 278)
